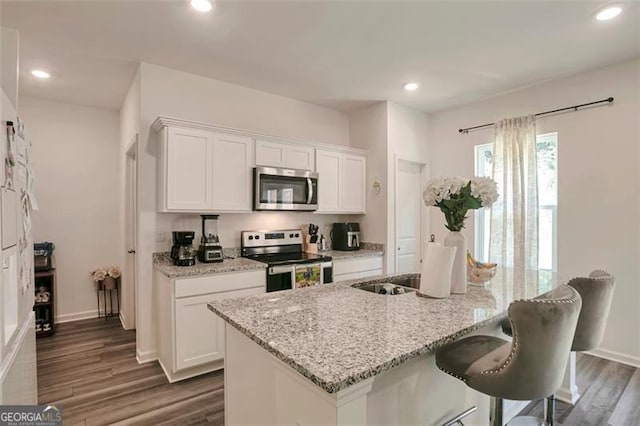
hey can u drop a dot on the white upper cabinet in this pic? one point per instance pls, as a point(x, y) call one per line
point(354, 176)
point(187, 175)
point(232, 166)
point(204, 171)
point(203, 168)
point(284, 155)
point(341, 182)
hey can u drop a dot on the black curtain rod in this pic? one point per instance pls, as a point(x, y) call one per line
point(575, 108)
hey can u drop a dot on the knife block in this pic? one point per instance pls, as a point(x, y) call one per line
point(307, 245)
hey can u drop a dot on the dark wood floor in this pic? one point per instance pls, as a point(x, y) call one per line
point(90, 368)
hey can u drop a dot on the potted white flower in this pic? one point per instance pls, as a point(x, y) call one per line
point(455, 197)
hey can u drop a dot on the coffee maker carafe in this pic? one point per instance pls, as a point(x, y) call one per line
point(182, 251)
point(210, 249)
point(346, 236)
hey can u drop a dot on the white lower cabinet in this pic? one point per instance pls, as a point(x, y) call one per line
point(358, 267)
point(191, 337)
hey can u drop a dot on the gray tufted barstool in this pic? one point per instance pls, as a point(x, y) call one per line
point(518, 370)
point(596, 292)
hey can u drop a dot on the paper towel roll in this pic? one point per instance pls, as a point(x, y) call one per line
point(435, 279)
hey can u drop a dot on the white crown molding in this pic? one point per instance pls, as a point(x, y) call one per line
point(164, 121)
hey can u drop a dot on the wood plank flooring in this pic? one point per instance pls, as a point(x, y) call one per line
point(609, 395)
point(90, 368)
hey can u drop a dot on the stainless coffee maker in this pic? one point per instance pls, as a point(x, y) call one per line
point(345, 236)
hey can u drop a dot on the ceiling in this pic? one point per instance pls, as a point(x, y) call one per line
point(341, 54)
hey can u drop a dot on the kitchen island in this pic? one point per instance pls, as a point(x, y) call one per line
point(336, 354)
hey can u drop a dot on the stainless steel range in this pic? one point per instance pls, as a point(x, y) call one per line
point(289, 267)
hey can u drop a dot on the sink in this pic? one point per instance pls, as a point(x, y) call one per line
point(411, 282)
point(388, 289)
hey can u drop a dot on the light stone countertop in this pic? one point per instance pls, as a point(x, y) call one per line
point(162, 262)
point(336, 335)
point(340, 255)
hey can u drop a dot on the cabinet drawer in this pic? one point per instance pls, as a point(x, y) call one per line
point(220, 282)
point(361, 264)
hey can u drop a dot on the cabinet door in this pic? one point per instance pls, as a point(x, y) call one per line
point(188, 174)
point(300, 157)
point(328, 166)
point(271, 154)
point(200, 332)
point(353, 182)
point(232, 163)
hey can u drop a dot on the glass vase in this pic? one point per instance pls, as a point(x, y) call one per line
point(459, 271)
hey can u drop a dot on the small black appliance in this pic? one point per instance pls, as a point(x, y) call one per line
point(182, 252)
point(345, 236)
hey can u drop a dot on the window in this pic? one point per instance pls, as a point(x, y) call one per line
point(547, 158)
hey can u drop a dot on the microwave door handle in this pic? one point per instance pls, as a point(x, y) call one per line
point(309, 190)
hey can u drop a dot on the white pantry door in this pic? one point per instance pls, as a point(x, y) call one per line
point(129, 287)
point(408, 215)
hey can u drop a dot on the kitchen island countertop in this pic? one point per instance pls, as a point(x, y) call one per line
point(336, 335)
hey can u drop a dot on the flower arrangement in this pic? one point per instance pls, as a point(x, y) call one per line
point(101, 274)
point(455, 196)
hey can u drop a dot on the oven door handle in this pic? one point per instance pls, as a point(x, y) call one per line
point(309, 190)
point(277, 270)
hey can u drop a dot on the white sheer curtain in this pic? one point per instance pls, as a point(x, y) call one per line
point(514, 217)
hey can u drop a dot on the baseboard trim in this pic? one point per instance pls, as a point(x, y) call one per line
point(77, 316)
point(144, 357)
point(621, 358)
point(567, 395)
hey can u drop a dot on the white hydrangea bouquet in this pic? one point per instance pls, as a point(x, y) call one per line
point(456, 196)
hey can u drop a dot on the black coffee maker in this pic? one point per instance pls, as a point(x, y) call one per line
point(182, 252)
point(345, 236)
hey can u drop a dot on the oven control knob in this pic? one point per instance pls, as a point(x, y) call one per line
point(297, 235)
point(290, 235)
point(257, 237)
point(251, 237)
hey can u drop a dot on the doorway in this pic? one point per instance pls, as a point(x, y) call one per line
point(409, 215)
point(129, 288)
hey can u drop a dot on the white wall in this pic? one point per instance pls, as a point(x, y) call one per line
point(407, 139)
point(598, 192)
point(75, 150)
point(174, 93)
point(368, 130)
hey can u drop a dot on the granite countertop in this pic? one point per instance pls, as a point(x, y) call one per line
point(339, 255)
point(336, 335)
point(162, 262)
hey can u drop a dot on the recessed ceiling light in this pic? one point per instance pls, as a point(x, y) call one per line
point(608, 12)
point(411, 86)
point(202, 5)
point(40, 74)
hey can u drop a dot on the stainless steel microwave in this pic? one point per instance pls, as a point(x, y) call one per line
point(285, 189)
